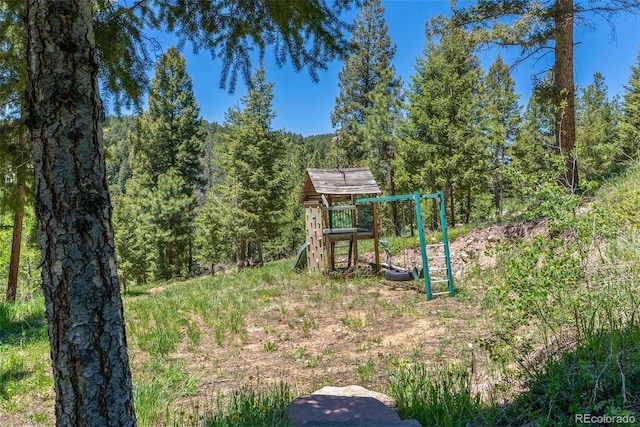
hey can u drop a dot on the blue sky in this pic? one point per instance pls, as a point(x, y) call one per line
point(304, 107)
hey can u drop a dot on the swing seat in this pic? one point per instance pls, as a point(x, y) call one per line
point(399, 275)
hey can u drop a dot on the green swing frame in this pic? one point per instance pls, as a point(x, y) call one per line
point(417, 197)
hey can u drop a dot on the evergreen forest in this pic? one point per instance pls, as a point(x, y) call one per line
point(190, 195)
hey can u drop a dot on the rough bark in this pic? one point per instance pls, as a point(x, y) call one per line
point(565, 90)
point(16, 240)
point(82, 296)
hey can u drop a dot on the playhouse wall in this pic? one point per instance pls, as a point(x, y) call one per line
point(315, 243)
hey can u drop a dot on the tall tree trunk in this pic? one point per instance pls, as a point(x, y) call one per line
point(16, 241)
point(565, 90)
point(498, 195)
point(241, 257)
point(452, 202)
point(394, 206)
point(467, 215)
point(435, 211)
point(83, 305)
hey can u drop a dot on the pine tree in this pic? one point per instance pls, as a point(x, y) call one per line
point(14, 147)
point(629, 127)
point(380, 136)
point(172, 132)
point(537, 28)
point(441, 149)
point(167, 150)
point(252, 157)
point(500, 123)
point(213, 231)
point(597, 121)
point(533, 155)
point(169, 215)
point(367, 70)
point(118, 134)
point(131, 241)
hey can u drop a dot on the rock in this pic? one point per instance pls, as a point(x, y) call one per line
point(351, 406)
point(356, 391)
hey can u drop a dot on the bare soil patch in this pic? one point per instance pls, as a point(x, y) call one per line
point(343, 331)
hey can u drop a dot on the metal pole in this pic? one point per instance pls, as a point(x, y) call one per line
point(423, 248)
point(445, 240)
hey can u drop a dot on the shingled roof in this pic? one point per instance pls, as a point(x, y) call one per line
point(339, 184)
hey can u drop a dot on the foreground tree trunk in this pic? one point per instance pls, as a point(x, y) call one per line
point(79, 279)
point(565, 90)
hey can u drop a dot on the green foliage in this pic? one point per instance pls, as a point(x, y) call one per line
point(154, 220)
point(620, 198)
point(596, 378)
point(309, 33)
point(250, 407)
point(169, 216)
point(13, 66)
point(154, 230)
point(548, 200)
point(534, 28)
point(28, 273)
point(434, 397)
point(597, 142)
point(379, 131)
point(593, 368)
point(629, 128)
point(118, 135)
point(253, 167)
point(532, 151)
point(171, 131)
point(131, 243)
point(368, 86)
point(122, 53)
point(213, 232)
point(568, 309)
point(500, 124)
point(441, 148)
point(536, 275)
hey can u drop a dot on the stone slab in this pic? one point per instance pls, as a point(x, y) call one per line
point(320, 410)
point(356, 423)
point(356, 391)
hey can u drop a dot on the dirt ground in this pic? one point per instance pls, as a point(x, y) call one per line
point(353, 335)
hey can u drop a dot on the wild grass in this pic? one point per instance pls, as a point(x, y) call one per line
point(24, 359)
point(255, 406)
point(573, 328)
point(434, 395)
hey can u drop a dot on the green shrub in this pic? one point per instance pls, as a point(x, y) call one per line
point(599, 377)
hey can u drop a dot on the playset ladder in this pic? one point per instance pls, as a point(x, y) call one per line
point(417, 198)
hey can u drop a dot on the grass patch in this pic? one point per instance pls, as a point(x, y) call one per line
point(25, 364)
point(247, 407)
point(600, 377)
point(157, 385)
point(435, 396)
